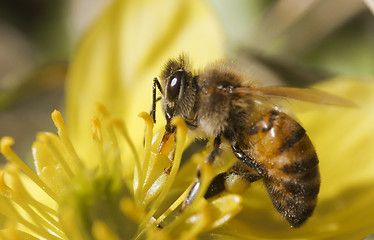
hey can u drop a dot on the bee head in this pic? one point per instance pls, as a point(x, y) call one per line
point(179, 86)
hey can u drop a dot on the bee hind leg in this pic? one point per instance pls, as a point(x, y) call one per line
point(217, 185)
point(239, 154)
point(236, 180)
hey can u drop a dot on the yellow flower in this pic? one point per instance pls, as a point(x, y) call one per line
point(98, 180)
point(67, 200)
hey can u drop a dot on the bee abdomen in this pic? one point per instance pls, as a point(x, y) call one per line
point(295, 197)
point(292, 177)
point(294, 187)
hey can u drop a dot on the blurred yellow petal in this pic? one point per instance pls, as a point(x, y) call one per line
point(343, 138)
point(126, 48)
point(225, 208)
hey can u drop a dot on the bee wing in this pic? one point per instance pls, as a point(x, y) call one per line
point(303, 94)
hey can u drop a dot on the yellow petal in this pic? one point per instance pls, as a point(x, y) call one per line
point(125, 49)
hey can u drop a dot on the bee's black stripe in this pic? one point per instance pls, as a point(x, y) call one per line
point(310, 175)
point(307, 191)
point(293, 139)
point(301, 166)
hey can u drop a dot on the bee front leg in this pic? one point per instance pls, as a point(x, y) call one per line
point(157, 84)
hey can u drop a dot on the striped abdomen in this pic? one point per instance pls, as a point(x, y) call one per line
point(279, 144)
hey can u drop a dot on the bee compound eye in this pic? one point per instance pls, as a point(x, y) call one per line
point(173, 87)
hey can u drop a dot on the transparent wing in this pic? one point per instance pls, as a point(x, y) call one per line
point(302, 94)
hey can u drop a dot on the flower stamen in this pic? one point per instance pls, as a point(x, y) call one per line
point(11, 156)
point(47, 139)
point(98, 140)
point(115, 157)
point(181, 136)
point(62, 133)
point(38, 221)
point(175, 204)
point(123, 131)
point(142, 175)
point(23, 199)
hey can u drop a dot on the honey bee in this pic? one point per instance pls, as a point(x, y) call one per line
point(223, 103)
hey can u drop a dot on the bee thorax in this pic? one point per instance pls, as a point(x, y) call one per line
point(212, 126)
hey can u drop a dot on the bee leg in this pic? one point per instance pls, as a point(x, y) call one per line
point(196, 187)
point(236, 180)
point(192, 194)
point(157, 84)
point(217, 185)
point(247, 159)
point(232, 182)
point(216, 150)
point(247, 173)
